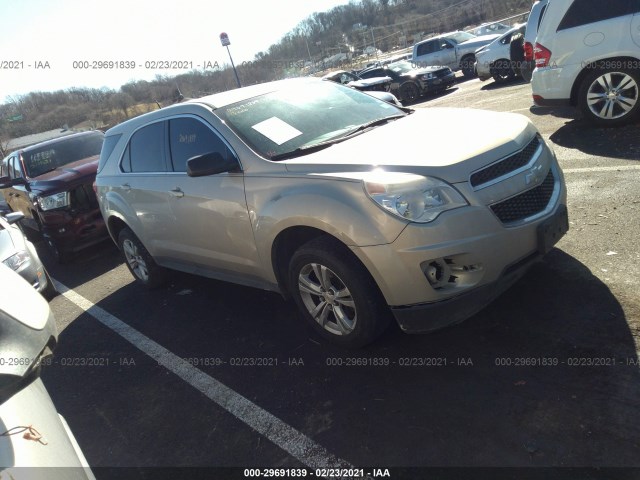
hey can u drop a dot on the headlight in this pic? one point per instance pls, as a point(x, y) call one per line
point(17, 260)
point(428, 76)
point(412, 197)
point(57, 200)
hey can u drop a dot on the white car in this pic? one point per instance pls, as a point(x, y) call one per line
point(35, 440)
point(589, 57)
point(494, 60)
point(530, 34)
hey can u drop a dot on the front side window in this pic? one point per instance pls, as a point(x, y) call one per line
point(583, 12)
point(146, 150)
point(188, 138)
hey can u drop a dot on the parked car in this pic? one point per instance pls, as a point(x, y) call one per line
point(494, 60)
point(51, 183)
point(489, 29)
point(589, 57)
point(530, 34)
point(34, 438)
point(381, 84)
point(410, 83)
point(455, 50)
point(19, 254)
point(317, 191)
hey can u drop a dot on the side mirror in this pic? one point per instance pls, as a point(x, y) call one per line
point(6, 182)
point(210, 164)
point(13, 217)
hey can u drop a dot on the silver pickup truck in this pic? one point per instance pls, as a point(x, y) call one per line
point(455, 50)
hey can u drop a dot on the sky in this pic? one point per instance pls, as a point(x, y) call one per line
point(48, 45)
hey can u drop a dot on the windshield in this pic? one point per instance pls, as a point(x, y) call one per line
point(401, 67)
point(68, 150)
point(302, 116)
point(459, 37)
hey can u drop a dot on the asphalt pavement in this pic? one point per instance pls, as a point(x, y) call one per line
point(206, 374)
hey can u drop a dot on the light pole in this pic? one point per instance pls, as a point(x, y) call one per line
point(224, 39)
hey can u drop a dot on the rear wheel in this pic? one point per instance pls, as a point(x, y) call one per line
point(336, 294)
point(610, 97)
point(139, 261)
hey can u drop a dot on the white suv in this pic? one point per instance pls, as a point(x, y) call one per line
point(589, 57)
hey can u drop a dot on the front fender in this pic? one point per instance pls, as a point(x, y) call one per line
point(339, 207)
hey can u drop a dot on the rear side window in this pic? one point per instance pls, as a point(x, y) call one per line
point(146, 150)
point(109, 144)
point(583, 12)
point(189, 137)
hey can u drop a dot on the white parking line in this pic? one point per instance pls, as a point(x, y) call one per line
point(621, 168)
point(284, 436)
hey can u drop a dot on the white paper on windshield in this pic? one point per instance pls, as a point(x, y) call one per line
point(276, 130)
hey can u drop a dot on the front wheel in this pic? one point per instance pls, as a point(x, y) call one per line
point(139, 261)
point(409, 92)
point(501, 71)
point(336, 294)
point(609, 97)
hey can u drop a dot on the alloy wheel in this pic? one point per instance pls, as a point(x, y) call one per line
point(327, 299)
point(612, 95)
point(135, 260)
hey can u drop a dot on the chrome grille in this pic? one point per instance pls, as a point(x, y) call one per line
point(526, 204)
point(507, 165)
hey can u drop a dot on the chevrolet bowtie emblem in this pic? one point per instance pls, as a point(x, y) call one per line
point(534, 175)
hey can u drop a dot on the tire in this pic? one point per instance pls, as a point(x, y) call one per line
point(501, 71)
point(139, 261)
point(467, 65)
point(58, 255)
point(409, 92)
point(610, 97)
point(336, 294)
point(50, 290)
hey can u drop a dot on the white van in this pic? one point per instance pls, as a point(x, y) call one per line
point(588, 56)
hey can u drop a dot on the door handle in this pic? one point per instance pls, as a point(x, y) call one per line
point(176, 192)
point(126, 187)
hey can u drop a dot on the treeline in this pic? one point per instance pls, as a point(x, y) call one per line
point(385, 24)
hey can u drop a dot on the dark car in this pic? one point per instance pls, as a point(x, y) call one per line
point(409, 82)
point(51, 183)
point(371, 84)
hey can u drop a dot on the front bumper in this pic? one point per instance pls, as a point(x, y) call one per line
point(438, 83)
point(73, 231)
point(441, 273)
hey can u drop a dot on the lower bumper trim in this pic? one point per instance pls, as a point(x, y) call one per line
point(429, 317)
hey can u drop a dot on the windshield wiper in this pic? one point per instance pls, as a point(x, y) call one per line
point(374, 123)
point(305, 150)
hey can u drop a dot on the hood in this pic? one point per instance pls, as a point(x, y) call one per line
point(369, 82)
point(423, 70)
point(480, 41)
point(63, 177)
point(448, 143)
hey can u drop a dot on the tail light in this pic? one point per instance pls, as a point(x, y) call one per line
point(528, 52)
point(542, 55)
